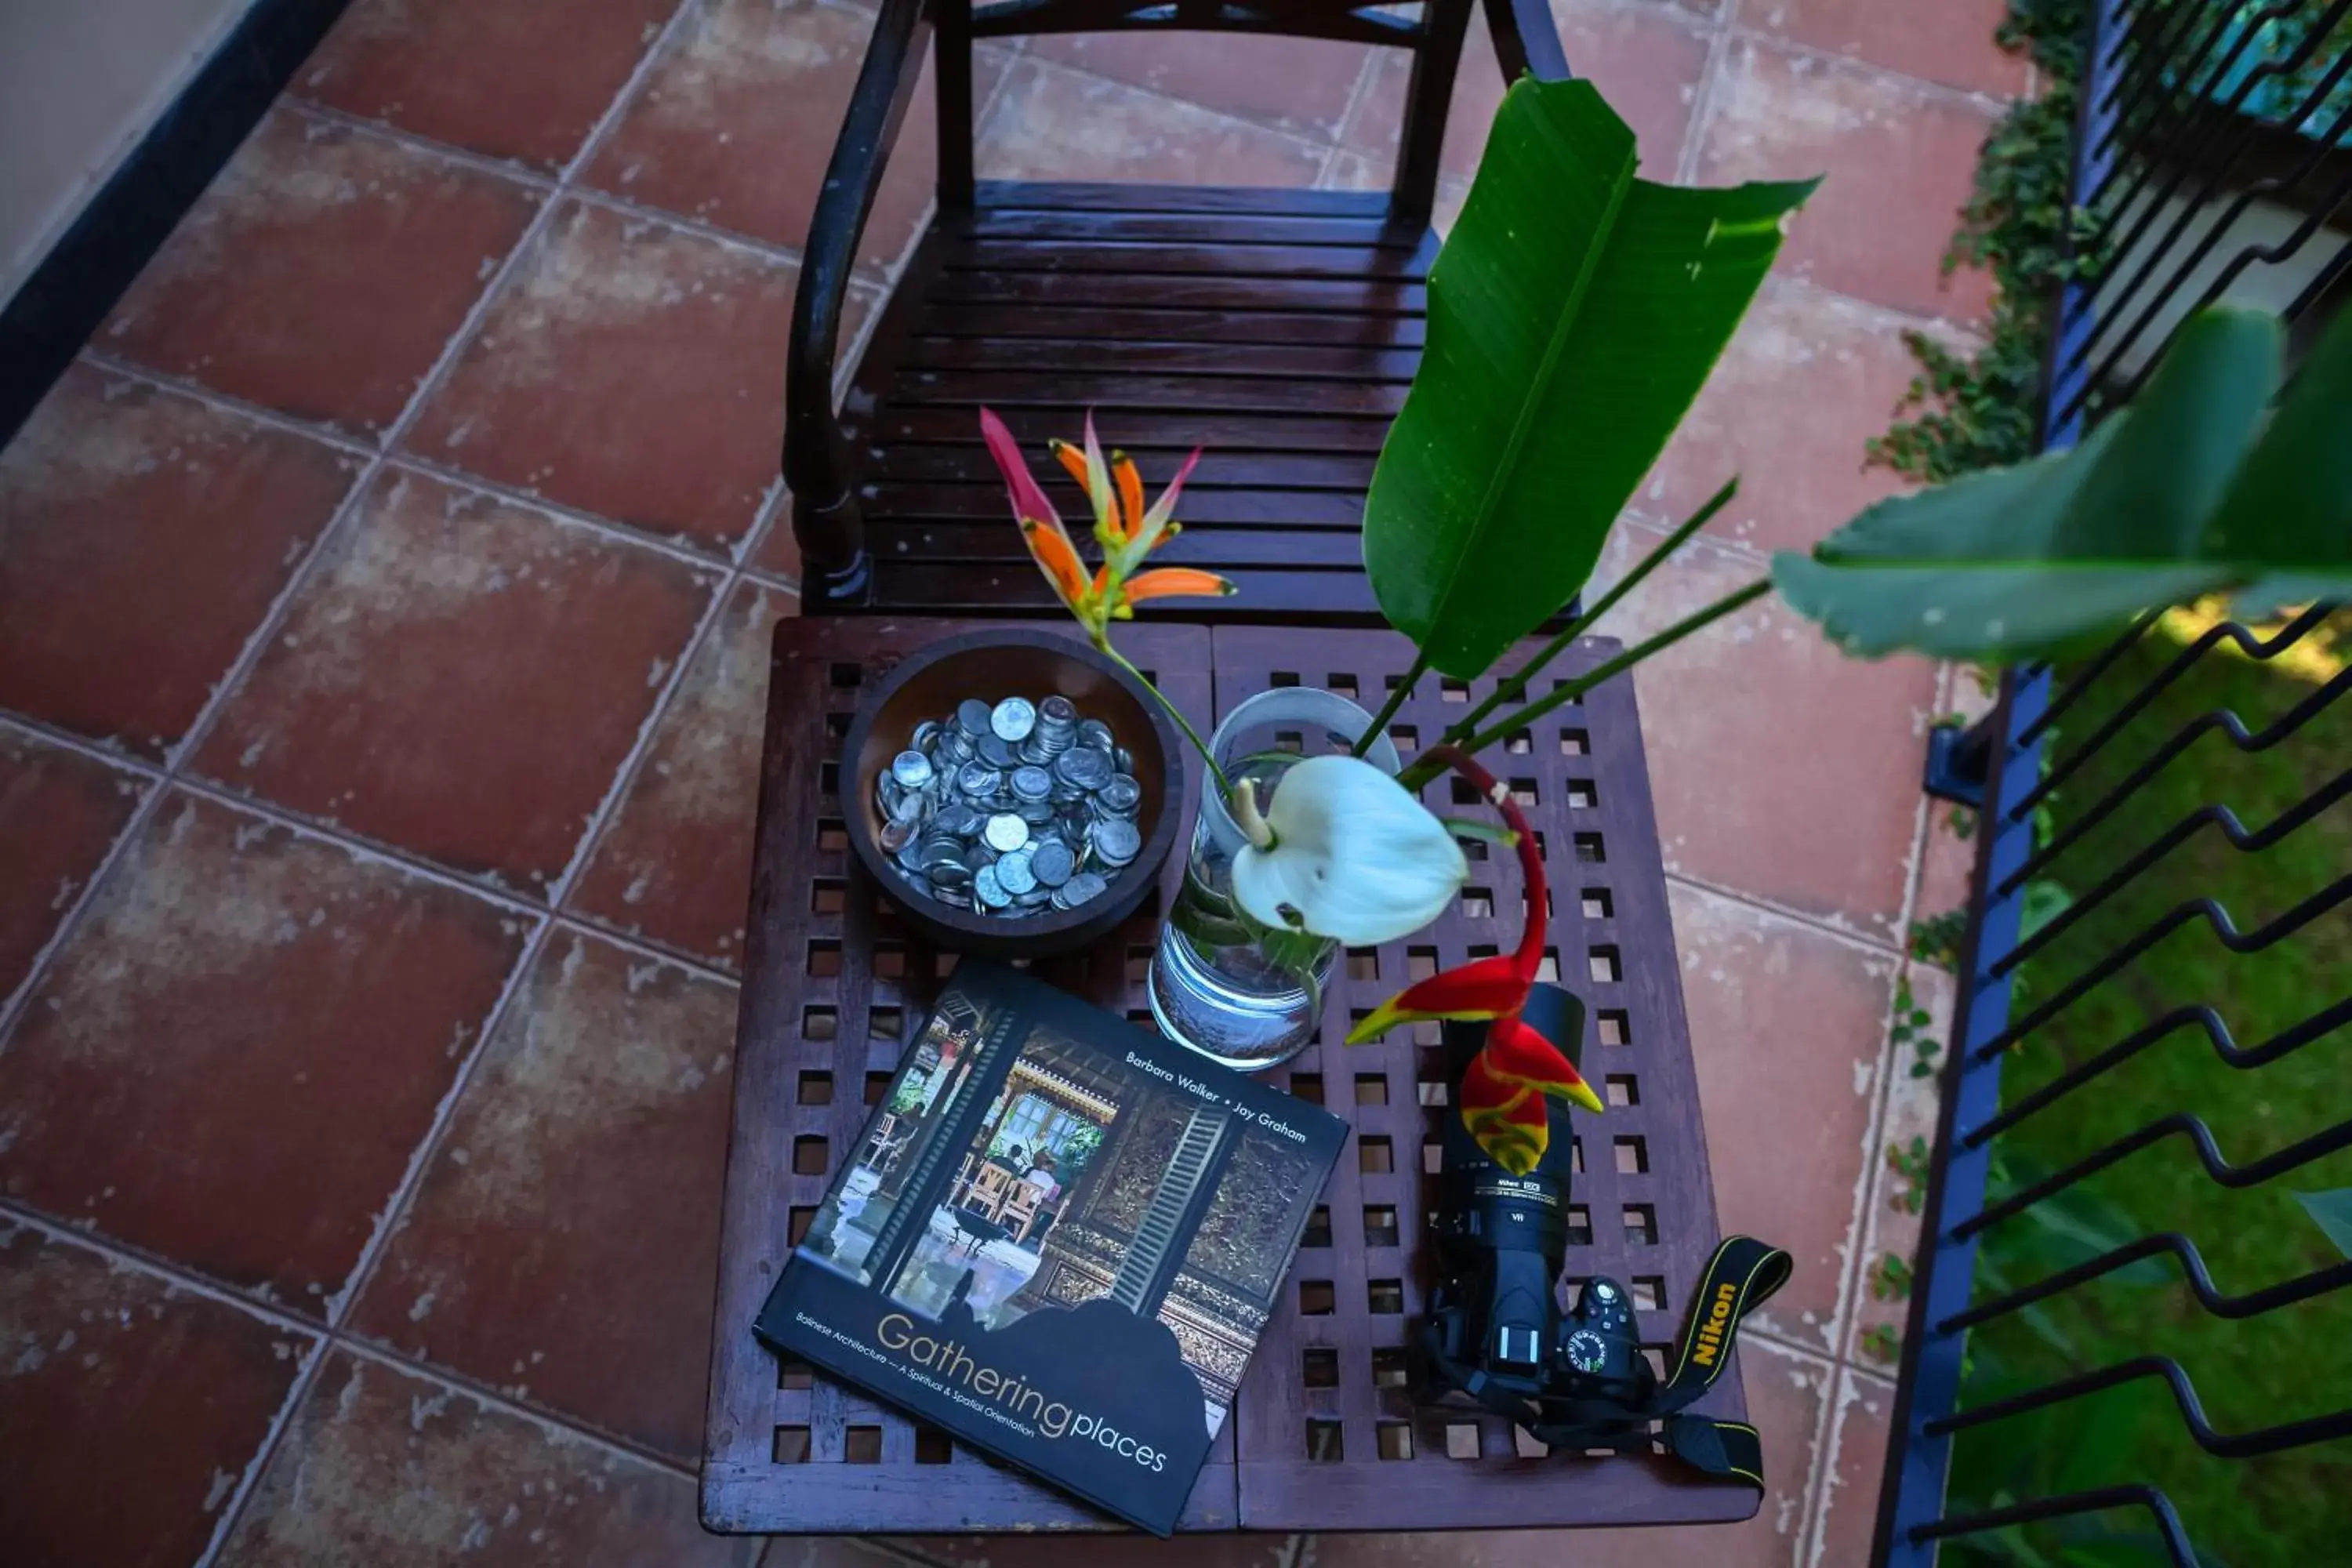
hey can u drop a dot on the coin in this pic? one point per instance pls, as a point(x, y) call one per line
point(1002, 807)
point(1120, 796)
point(1013, 718)
point(1084, 768)
point(1053, 863)
point(1116, 841)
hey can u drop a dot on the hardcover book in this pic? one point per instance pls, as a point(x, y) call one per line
point(1059, 1239)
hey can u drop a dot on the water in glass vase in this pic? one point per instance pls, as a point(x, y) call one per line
point(1245, 994)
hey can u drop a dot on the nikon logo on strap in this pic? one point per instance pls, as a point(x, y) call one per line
point(1709, 1343)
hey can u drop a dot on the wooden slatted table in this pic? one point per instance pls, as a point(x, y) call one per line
point(836, 985)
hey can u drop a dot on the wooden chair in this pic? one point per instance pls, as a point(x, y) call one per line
point(989, 1191)
point(1276, 327)
point(1019, 1210)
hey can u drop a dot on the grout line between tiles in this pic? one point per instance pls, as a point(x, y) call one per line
point(1717, 29)
point(676, 547)
point(297, 1394)
point(180, 385)
point(1871, 946)
point(321, 1336)
point(365, 1350)
point(524, 246)
point(708, 559)
point(1048, 67)
point(1983, 102)
point(534, 947)
point(1809, 1551)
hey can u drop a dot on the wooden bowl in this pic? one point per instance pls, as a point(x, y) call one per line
point(991, 665)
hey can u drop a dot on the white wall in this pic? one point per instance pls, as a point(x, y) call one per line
point(80, 82)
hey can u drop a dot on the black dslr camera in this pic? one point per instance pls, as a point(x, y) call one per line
point(1495, 1331)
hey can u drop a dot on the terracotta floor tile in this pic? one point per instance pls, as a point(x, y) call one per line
point(1645, 59)
point(483, 77)
point(60, 813)
point(1889, 1227)
point(675, 865)
point(631, 370)
point(1053, 124)
point(1900, 159)
point(463, 678)
point(133, 1407)
point(1752, 724)
point(736, 122)
point(232, 1060)
point(1808, 378)
point(1947, 41)
point(154, 527)
point(1788, 1026)
point(1300, 85)
point(388, 1470)
point(1855, 1466)
point(1785, 1398)
point(563, 1243)
point(322, 273)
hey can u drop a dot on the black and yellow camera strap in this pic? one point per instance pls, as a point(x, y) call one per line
point(1741, 1275)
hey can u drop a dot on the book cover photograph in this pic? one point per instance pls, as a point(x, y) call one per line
point(1059, 1239)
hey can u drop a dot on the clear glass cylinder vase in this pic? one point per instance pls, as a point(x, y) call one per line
point(1250, 1001)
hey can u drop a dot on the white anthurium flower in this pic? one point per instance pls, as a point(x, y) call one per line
point(1354, 855)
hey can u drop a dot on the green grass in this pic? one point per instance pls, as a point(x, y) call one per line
point(2293, 1508)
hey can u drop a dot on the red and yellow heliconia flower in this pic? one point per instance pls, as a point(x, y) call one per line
point(1125, 528)
point(1502, 1093)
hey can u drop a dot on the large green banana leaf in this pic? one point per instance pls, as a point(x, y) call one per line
point(1573, 313)
point(2198, 488)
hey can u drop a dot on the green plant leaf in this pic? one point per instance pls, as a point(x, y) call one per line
point(1573, 313)
point(2331, 1212)
point(2045, 902)
point(2198, 488)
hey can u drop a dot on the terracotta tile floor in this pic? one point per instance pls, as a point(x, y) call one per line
point(383, 606)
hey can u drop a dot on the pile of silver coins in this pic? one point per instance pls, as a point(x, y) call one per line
point(1011, 809)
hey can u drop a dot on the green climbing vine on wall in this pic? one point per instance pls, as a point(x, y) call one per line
point(1978, 410)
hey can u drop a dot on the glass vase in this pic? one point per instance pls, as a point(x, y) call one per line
point(1239, 993)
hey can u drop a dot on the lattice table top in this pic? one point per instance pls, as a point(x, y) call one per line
point(1325, 1434)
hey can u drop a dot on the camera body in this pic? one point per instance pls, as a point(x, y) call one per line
point(1494, 1321)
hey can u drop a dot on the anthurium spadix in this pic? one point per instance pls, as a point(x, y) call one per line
point(1344, 851)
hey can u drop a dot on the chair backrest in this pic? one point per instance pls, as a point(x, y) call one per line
point(1022, 1202)
point(987, 1189)
point(1434, 39)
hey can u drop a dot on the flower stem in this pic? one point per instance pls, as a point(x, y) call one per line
point(1513, 688)
point(1428, 766)
point(1208, 758)
point(1397, 694)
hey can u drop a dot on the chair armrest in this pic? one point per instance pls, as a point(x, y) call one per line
point(885, 84)
point(1525, 41)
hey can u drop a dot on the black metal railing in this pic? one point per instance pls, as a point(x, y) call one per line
point(2130, 1314)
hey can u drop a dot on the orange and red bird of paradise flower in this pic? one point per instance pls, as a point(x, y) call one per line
point(1502, 1093)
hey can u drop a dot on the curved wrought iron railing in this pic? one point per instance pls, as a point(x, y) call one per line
point(2125, 1334)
